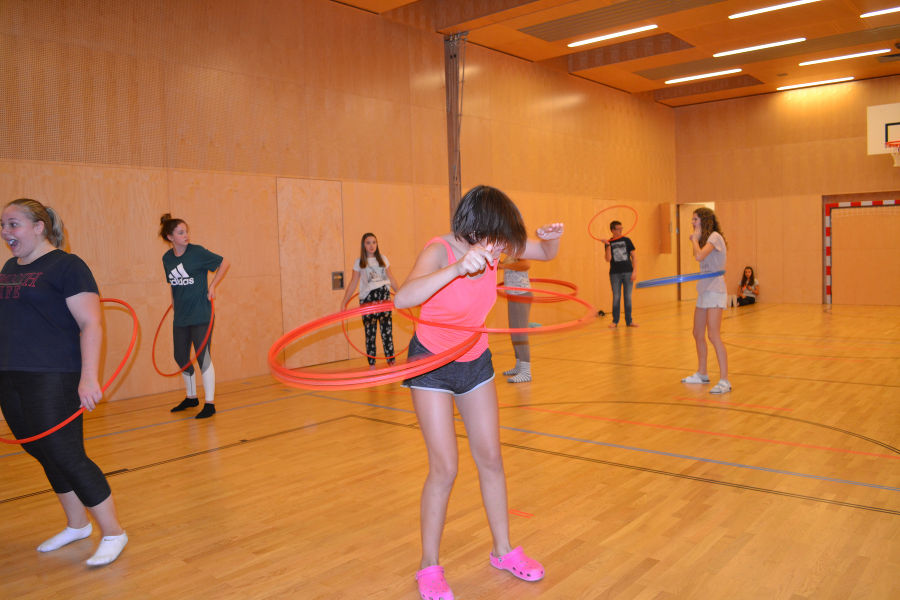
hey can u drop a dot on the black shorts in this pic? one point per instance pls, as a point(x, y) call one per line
point(455, 378)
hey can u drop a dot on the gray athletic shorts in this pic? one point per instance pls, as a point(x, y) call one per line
point(455, 378)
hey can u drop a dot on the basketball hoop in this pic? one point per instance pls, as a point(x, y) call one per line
point(894, 147)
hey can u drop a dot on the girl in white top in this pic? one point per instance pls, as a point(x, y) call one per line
point(749, 288)
point(373, 272)
point(712, 297)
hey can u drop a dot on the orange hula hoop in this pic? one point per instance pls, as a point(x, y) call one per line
point(134, 332)
point(352, 380)
point(542, 299)
point(591, 222)
point(588, 317)
point(212, 318)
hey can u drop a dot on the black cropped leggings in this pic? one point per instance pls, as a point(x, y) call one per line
point(33, 403)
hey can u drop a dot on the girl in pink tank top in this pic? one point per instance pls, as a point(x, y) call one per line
point(454, 279)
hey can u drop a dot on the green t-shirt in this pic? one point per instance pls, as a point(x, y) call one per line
point(187, 275)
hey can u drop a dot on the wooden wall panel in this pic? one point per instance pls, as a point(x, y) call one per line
point(310, 240)
point(865, 245)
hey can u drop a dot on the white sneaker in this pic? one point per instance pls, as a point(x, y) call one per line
point(723, 387)
point(696, 378)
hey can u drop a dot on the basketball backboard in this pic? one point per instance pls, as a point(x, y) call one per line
point(883, 126)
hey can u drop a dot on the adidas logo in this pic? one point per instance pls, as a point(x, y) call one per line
point(178, 276)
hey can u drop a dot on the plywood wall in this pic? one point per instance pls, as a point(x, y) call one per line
point(117, 112)
point(767, 161)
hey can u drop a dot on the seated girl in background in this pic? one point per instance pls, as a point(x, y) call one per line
point(749, 288)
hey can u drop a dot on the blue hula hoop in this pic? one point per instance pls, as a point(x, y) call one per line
point(678, 279)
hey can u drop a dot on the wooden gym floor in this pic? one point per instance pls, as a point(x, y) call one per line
point(624, 482)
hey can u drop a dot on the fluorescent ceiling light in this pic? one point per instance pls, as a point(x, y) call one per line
point(803, 85)
point(609, 36)
point(846, 56)
point(770, 8)
point(703, 76)
point(880, 12)
point(760, 47)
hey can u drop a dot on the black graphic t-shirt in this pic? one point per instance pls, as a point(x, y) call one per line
point(620, 255)
point(187, 274)
point(37, 331)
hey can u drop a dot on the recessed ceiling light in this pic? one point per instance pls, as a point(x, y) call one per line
point(844, 57)
point(760, 47)
point(609, 36)
point(703, 76)
point(803, 85)
point(770, 8)
point(880, 12)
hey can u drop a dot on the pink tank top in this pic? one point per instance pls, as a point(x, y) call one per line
point(465, 301)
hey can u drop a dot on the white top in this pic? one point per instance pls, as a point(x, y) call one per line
point(373, 276)
point(714, 261)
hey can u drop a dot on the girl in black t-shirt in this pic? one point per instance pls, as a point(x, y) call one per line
point(186, 266)
point(49, 358)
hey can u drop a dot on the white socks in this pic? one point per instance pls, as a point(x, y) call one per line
point(523, 375)
point(514, 370)
point(110, 548)
point(66, 536)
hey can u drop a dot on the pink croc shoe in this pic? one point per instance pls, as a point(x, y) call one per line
point(432, 585)
point(520, 565)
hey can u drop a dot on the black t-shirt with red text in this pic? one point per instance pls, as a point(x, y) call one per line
point(37, 331)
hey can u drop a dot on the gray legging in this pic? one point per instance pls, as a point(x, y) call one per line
point(183, 337)
point(518, 313)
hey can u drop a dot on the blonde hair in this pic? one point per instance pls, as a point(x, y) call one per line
point(37, 212)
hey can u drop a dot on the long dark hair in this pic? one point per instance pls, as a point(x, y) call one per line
point(486, 214)
point(363, 255)
point(708, 224)
point(53, 225)
point(751, 280)
point(167, 225)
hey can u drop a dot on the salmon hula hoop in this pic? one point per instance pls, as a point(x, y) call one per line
point(591, 222)
point(353, 380)
point(588, 317)
point(134, 332)
point(352, 345)
point(542, 299)
point(212, 318)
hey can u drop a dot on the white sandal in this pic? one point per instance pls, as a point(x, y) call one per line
point(723, 387)
point(696, 378)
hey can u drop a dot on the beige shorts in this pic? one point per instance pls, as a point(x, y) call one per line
point(712, 300)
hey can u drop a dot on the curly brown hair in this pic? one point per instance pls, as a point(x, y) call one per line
point(708, 224)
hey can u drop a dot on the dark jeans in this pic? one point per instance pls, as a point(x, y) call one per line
point(745, 301)
point(619, 282)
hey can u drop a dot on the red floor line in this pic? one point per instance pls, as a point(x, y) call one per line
point(703, 432)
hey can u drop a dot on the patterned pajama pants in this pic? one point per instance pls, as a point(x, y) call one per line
point(370, 323)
